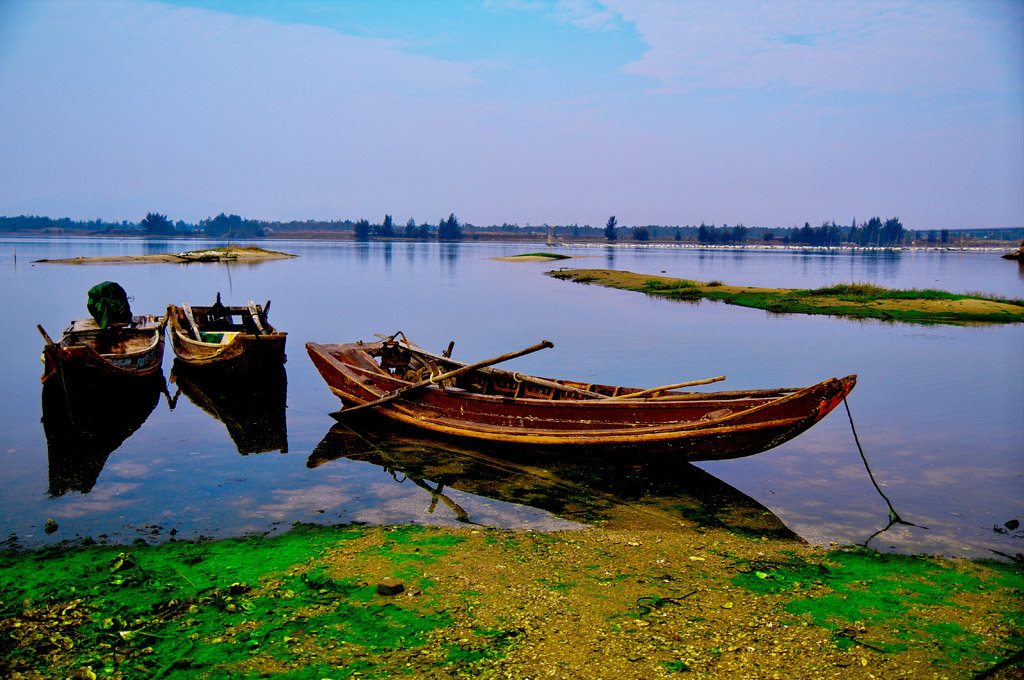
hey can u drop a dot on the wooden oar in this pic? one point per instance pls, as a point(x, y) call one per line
point(45, 336)
point(187, 308)
point(391, 396)
point(636, 395)
point(254, 313)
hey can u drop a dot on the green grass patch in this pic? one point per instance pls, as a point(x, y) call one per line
point(670, 285)
point(548, 256)
point(856, 300)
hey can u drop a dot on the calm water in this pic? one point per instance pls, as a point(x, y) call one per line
point(938, 410)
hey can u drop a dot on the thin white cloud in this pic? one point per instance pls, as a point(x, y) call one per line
point(916, 47)
point(586, 14)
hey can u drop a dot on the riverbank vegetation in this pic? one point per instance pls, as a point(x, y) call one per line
point(873, 233)
point(849, 300)
point(357, 601)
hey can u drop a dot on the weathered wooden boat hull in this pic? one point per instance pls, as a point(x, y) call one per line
point(247, 350)
point(692, 426)
point(86, 353)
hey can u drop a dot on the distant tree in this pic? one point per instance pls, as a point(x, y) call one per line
point(768, 236)
point(230, 226)
point(361, 230)
point(609, 229)
point(944, 236)
point(387, 230)
point(410, 228)
point(892, 231)
point(155, 224)
point(678, 235)
point(641, 234)
point(449, 229)
point(871, 231)
point(739, 233)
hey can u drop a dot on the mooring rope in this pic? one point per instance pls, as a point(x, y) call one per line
point(894, 517)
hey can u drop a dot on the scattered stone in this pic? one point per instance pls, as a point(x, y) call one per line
point(390, 586)
point(50, 527)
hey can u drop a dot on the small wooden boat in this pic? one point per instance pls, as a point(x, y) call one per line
point(239, 338)
point(401, 381)
point(87, 352)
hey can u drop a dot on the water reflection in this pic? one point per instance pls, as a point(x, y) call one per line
point(251, 405)
point(84, 424)
point(613, 493)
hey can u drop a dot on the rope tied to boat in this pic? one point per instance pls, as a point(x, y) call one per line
point(894, 517)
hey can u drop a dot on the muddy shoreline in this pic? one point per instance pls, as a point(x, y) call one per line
point(653, 602)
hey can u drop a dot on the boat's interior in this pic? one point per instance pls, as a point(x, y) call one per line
point(140, 335)
point(219, 323)
point(410, 363)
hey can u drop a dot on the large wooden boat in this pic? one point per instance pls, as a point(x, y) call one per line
point(401, 381)
point(87, 352)
point(238, 338)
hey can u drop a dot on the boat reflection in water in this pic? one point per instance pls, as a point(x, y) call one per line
point(614, 494)
point(84, 422)
point(251, 404)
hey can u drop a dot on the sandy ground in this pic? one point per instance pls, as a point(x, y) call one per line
point(229, 254)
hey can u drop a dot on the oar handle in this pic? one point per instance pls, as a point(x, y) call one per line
point(45, 336)
point(391, 396)
point(544, 344)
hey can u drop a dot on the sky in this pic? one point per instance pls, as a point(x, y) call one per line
point(660, 112)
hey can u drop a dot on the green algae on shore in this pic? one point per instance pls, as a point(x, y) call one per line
point(864, 301)
point(492, 603)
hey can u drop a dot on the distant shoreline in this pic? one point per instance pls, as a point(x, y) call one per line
point(1001, 247)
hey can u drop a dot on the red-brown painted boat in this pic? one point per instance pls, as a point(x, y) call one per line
point(565, 416)
point(88, 353)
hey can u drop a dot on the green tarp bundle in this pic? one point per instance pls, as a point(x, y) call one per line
point(108, 304)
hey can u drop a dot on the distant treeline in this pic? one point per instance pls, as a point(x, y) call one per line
point(874, 232)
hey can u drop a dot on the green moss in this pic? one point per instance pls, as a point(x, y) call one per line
point(187, 610)
point(873, 599)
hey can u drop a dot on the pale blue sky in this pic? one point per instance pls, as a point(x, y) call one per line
point(528, 111)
